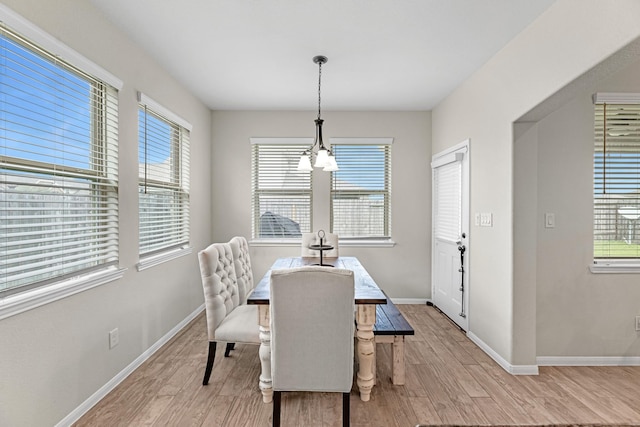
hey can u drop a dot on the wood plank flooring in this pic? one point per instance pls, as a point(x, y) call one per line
point(449, 381)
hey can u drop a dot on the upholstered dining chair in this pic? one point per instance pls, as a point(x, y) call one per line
point(227, 320)
point(312, 333)
point(309, 239)
point(244, 273)
point(242, 266)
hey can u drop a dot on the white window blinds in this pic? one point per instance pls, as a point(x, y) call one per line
point(361, 188)
point(58, 168)
point(281, 194)
point(616, 221)
point(163, 158)
point(447, 184)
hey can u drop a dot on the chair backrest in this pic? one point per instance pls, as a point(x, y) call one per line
point(219, 283)
point(312, 329)
point(309, 239)
point(242, 265)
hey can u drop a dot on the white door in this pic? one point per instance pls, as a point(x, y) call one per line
point(449, 266)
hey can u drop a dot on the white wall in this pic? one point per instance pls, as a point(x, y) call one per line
point(566, 41)
point(54, 357)
point(402, 271)
point(525, 241)
point(579, 314)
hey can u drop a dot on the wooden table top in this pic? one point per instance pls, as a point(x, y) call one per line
point(366, 289)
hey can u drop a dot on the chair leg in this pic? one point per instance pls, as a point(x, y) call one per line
point(230, 346)
point(346, 409)
point(210, 359)
point(276, 409)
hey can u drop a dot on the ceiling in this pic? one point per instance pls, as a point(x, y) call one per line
point(385, 55)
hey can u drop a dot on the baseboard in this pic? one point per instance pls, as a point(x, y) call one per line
point(105, 389)
point(421, 301)
point(588, 361)
point(512, 369)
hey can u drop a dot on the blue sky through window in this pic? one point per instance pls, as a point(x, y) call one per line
point(622, 173)
point(46, 113)
point(159, 138)
point(352, 166)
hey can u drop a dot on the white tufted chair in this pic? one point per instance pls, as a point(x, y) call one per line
point(309, 239)
point(244, 274)
point(227, 320)
point(242, 265)
point(312, 330)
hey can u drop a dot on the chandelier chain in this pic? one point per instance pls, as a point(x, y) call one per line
point(319, 83)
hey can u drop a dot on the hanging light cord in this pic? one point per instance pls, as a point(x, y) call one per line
point(319, 84)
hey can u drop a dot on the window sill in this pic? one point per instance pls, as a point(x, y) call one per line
point(343, 243)
point(615, 267)
point(387, 243)
point(153, 260)
point(275, 242)
point(18, 303)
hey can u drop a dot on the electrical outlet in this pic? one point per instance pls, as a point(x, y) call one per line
point(637, 323)
point(114, 338)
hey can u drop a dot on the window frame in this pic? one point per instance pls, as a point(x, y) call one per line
point(62, 287)
point(178, 184)
point(617, 101)
point(384, 240)
point(296, 146)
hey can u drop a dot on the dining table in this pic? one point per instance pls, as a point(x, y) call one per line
point(367, 296)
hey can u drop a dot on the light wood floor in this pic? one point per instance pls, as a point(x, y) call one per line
point(449, 381)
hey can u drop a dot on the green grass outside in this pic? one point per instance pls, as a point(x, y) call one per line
point(615, 249)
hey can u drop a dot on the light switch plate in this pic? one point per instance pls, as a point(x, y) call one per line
point(486, 219)
point(549, 220)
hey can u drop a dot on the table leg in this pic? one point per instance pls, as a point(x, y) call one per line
point(397, 365)
point(265, 353)
point(365, 319)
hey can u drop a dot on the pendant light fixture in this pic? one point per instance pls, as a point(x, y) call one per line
point(324, 157)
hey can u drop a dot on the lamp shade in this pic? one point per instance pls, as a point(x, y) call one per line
point(305, 163)
point(322, 159)
point(332, 166)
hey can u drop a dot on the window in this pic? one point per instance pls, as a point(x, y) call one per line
point(447, 189)
point(163, 159)
point(281, 194)
point(616, 225)
point(361, 188)
point(58, 165)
